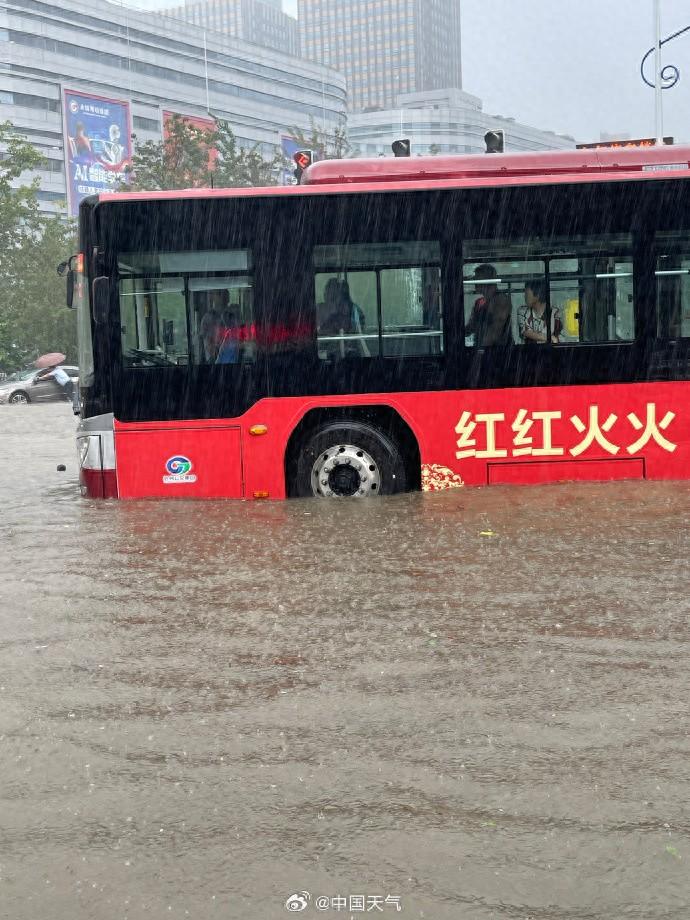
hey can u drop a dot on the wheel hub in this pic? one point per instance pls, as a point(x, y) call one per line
point(345, 471)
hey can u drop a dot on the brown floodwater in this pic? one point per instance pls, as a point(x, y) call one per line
point(471, 705)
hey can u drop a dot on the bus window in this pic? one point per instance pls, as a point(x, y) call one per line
point(492, 290)
point(586, 284)
point(148, 306)
point(186, 308)
point(378, 299)
point(346, 310)
point(222, 318)
point(411, 311)
point(673, 285)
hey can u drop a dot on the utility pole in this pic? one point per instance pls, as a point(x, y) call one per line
point(658, 112)
point(208, 100)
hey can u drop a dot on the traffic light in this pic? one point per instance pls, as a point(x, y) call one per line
point(495, 141)
point(401, 148)
point(302, 159)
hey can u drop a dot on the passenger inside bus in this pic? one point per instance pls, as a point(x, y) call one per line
point(208, 333)
point(342, 317)
point(328, 308)
point(228, 339)
point(357, 318)
point(532, 317)
point(489, 320)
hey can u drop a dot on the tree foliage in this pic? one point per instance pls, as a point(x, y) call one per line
point(182, 159)
point(326, 146)
point(191, 157)
point(33, 315)
point(239, 167)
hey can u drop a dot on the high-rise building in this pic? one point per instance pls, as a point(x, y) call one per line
point(384, 47)
point(261, 22)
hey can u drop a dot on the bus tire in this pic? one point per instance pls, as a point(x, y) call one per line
point(348, 459)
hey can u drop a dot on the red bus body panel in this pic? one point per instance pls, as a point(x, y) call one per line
point(469, 437)
point(142, 451)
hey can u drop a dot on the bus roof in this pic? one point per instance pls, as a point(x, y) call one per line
point(497, 166)
point(473, 171)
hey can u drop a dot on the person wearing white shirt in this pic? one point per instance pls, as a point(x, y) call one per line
point(61, 377)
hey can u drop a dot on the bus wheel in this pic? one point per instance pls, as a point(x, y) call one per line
point(349, 460)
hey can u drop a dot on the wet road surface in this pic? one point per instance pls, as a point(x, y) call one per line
point(474, 702)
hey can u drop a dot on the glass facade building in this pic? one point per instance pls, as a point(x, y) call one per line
point(384, 47)
point(257, 21)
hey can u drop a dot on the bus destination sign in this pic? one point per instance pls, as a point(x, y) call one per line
point(638, 142)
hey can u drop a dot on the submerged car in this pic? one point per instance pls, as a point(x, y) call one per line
point(25, 387)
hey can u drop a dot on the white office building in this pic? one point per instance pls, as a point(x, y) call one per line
point(155, 64)
point(444, 121)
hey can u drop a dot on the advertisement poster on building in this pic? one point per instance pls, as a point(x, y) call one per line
point(98, 144)
point(289, 147)
point(196, 121)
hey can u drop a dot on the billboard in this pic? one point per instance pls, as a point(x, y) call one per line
point(196, 121)
point(98, 144)
point(624, 142)
point(288, 147)
point(203, 124)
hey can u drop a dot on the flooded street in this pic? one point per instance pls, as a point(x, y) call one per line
point(469, 705)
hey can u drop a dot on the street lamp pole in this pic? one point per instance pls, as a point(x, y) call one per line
point(664, 77)
point(658, 110)
point(208, 98)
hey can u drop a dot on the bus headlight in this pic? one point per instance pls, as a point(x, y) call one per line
point(89, 452)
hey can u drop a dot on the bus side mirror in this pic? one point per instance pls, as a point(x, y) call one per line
point(65, 268)
point(70, 288)
point(101, 299)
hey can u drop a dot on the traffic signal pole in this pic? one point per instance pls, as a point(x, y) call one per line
point(302, 159)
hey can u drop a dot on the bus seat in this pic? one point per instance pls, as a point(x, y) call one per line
point(571, 319)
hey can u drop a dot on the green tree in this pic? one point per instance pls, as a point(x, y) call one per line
point(333, 146)
point(41, 321)
point(18, 206)
point(181, 160)
point(191, 157)
point(33, 315)
point(238, 167)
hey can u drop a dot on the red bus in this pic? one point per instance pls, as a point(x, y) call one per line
point(389, 325)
